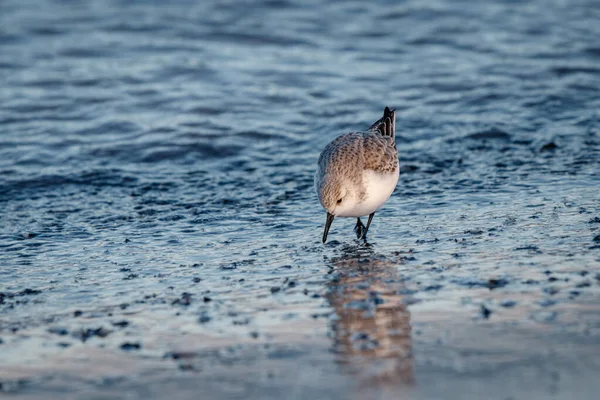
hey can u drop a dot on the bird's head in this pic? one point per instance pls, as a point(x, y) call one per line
point(336, 196)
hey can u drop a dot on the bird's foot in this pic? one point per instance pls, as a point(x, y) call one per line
point(360, 230)
point(364, 235)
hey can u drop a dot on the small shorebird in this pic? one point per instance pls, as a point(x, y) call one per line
point(357, 173)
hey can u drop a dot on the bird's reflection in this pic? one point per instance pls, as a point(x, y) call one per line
point(371, 323)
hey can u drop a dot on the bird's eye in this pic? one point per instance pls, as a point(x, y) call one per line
point(339, 201)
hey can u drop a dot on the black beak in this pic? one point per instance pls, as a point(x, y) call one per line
point(327, 226)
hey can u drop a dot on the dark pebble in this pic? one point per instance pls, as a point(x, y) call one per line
point(360, 336)
point(583, 284)
point(196, 280)
point(121, 324)
point(58, 331)
point(275, 289)
point(204, 319)
point(127, 346)
point(206, 299)
point(102, 332)
point(485, 312)
point(185, 300)
point(181, 355)
point(85, 334)
point(77, 313)
point(595, 220)
point(551, 290)
point(28, 292)
point(508, 303)
point(596, 238)
point(528, 248)
point(497, 283)
point(547, 303)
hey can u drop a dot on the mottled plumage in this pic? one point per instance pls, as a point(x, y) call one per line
point(358, 171)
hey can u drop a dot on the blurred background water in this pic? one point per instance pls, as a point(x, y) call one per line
point(159, 233)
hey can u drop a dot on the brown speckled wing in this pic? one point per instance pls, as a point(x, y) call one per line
point(343, 154)
point(380, 152)
point(379, 144)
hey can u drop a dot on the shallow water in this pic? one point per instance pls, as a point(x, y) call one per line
point(160, 234)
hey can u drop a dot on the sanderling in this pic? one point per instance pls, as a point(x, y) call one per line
point(357, 173)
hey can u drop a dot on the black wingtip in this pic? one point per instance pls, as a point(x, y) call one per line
point(386, 125)
point(388, 113)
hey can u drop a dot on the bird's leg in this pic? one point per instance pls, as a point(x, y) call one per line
point(359, 228)
point(364, 236)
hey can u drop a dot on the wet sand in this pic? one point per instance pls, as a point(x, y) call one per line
point(365, 326)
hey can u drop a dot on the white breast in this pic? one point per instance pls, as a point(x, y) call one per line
point(379, 187)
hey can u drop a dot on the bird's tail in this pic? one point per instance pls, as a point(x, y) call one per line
point(387, 124)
